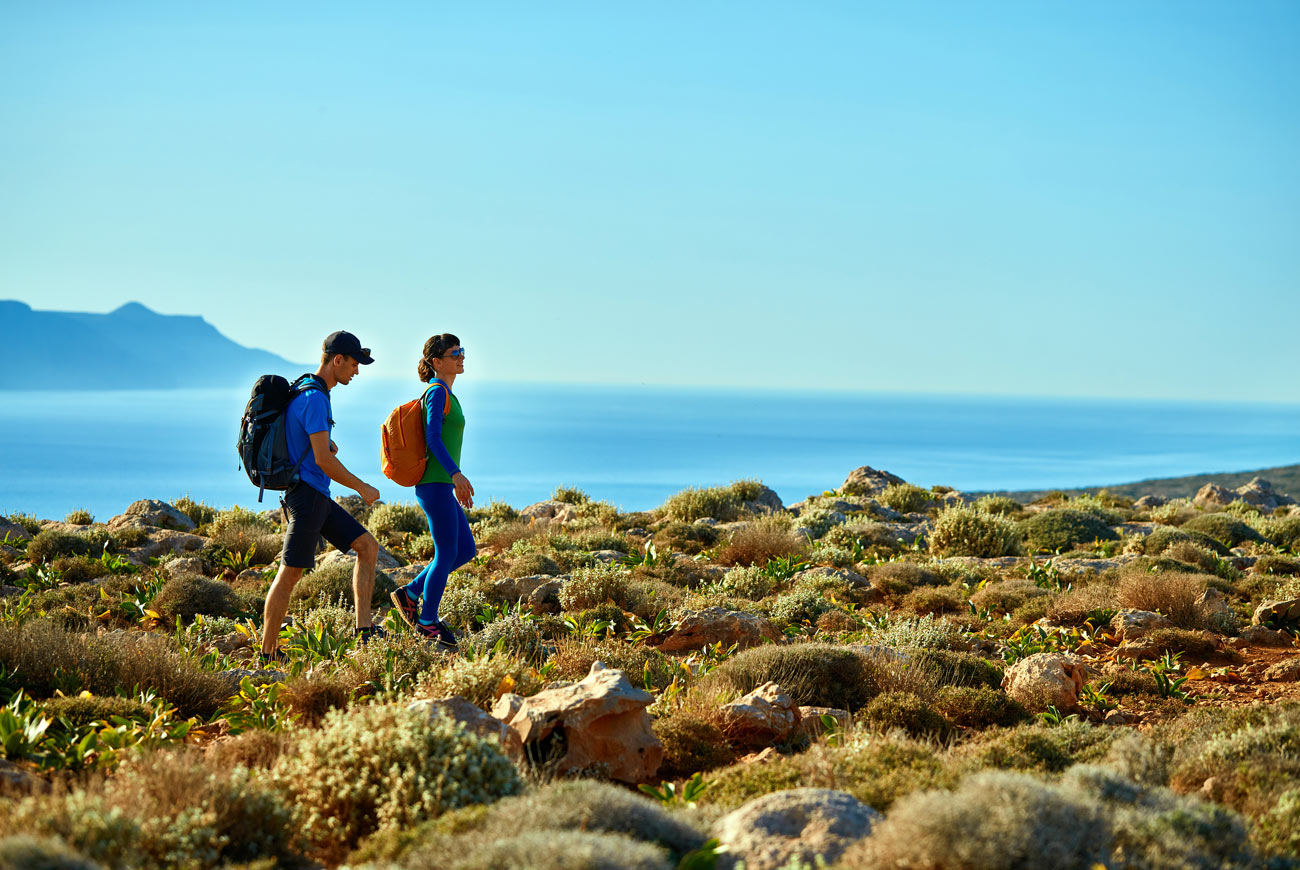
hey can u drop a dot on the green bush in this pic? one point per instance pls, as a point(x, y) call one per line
point(1282, 566)
point(1228, 530)
point(52, 543)
point(1251, 754)
point(934, 599)
point(375, 767)
point(814, 674)
point(1063, 529)
point(1196, 644)
point(958, 668)
point(689, 505)
point(189, 595)
point(332, 584)
point(994, 821)
point(752, 582)
point(965, 530)
point(389, 522)
point(400, 662)
point(693, 742)
point(999, 505)
point(574, 657)
point(689, 538)
point(875, 769)
point(1284, 531)
point(979, 707)
point(79, 569)
point(1164, 537)
point(84, 709)
point(238, 530)
point(588, 587)
point(543, 850)
point(905, 710)
point(198, 512)
point(1006, 595)
point(802, 606)
point(53, 659)
point(1042, 748)
point(912, 633)
point(515, 634)
point(905, 497)
point(533, 563)
point(479, 679)
point(79, 518)
point(1278, 830)
point(23, 852)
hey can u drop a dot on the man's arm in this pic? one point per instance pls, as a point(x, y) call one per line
point(334, 470)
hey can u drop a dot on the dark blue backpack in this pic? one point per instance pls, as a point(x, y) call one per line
point(263, 445)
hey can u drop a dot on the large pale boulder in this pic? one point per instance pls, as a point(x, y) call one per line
point(598, 723)
point(1046, 679)
point(812, 724)
point(550, 511)
point(1278, 614)
point(697, 629)
point(475, 720)
point(13, 531)
point(868, 481)
point(766, 501)
point(1212, 496)
point(154, 513)
point(796, 826)
point(1130, 625)
point(1260, 493)
point(765, 716)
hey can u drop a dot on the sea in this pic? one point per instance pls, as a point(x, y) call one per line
point(633, 446)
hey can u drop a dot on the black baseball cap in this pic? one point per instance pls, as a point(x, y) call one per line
point(348, 344)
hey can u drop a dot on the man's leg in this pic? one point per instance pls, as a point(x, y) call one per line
point(363, 577)
point(277, 605)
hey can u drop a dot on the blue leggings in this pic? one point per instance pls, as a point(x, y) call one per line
point(453, 545)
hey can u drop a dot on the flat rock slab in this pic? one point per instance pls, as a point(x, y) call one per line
point(697, 629)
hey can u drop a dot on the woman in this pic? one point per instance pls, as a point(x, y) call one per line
point(439, 491)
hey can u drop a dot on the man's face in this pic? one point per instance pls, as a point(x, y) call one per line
point(345, 368)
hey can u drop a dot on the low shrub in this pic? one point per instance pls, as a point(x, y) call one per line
point(52, 543)
point(198, 512)
point(1038, 747)
point(1005, 596)
point(479, 680)
point(1278, 830)
point(753, 583)
point(911, 633)
point(1192, 554)
point(1076, 605)
point(693, 741)
point(375, 767)
point(1272, 563)
point(1165, 537)
point(574, 657)
point(979, 707)
point(400, 662)
point(589, 587)
point(999, 505)
point(1196, 644)
point(1228, 530)
point(875, 769)
point(958, 668)
point(544, 850)
point(24, 852)
point(238, 531)
point(1252, 755)
point(570, 495)
point(799, 607)
point(993, 821)
point(79, 569)
point(1284, 531)
point(689, 538)
point(390, 522)
point(189, 595)
point(689, 505)
point(530, 564)
point(312, 695)
point(84, 709)
point(896, 578)
point(907, 711)
point(512, 634)
point(332, 584)
point(965, 530)
point(79, 518)
point(1172, 594)
point(1062, 529)
point(934, 599)
point(905, 498)
point(814, 674)
point(760, 541)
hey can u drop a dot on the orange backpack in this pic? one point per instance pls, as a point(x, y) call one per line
point(402, 451)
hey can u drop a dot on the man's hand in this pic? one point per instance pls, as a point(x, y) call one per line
point(464, 490)
point(368, 493)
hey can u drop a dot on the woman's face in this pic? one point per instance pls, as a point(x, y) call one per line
point(452, 361)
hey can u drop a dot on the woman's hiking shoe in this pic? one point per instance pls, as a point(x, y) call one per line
point(439, 634)
point(369, 633)
point(407, 607)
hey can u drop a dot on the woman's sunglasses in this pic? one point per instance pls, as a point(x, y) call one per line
point(460, 351)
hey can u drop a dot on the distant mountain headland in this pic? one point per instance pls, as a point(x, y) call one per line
point(129, 348)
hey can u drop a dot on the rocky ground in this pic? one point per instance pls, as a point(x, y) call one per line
point(801, 682)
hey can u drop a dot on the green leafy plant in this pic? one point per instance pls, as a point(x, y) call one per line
point(670, 794)
point(255, 706)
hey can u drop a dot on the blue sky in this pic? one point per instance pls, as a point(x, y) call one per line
point(1040, 198)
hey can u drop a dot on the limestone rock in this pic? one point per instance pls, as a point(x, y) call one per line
point(796, 825)
point(1277, 614)
point(228, 643)
point(1213, 603)
point(475, 720)
point(154, 513)
point(385, 561)
point(767, 501)
point(13, 530)
point(607, 557)
point(868, 481)
point(164, 543)
point(810, 720)
point(1287, 671)
point(1150, 501)
point(697, 629)
point(514, 589)
point(599, 722)
point(761, 718)
point(1129, 625)
point(546, 597)
point(1260, 493)
point(1212, 495)
point(1046, 679)
point(551, 511)
point(179, 565)
point(1258, 635)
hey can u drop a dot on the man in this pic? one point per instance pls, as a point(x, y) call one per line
point(312, 513)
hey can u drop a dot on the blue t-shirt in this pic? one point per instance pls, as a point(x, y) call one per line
point(307, 414)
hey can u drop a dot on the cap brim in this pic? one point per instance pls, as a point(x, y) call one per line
point(365, 359)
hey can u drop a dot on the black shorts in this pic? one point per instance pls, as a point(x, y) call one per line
point(314, 515)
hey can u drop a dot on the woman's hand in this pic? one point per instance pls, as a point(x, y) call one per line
point(464, 490)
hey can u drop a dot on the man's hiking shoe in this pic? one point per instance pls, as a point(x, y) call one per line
point(439, 635)
point(407, 607)
point(369, 633)
point(279, 658)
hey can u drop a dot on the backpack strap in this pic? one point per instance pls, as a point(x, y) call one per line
point(446, 403)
